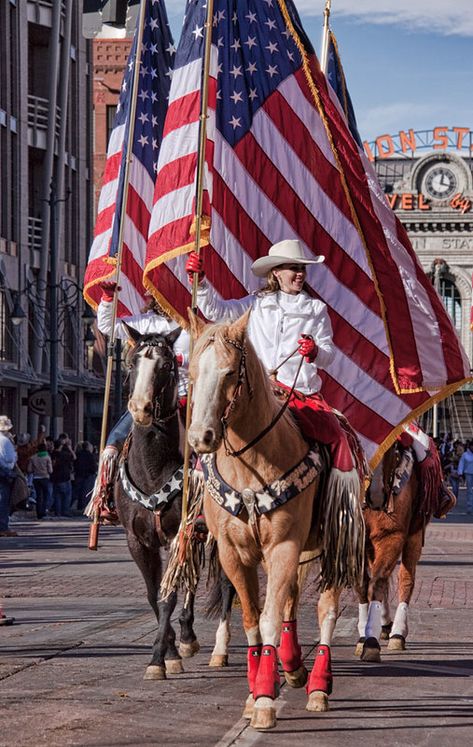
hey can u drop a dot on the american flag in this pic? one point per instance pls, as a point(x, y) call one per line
point(336, 78)
point(157, 55)
point(281, 163)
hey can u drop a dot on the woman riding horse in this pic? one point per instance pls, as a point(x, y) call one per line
point(153, 320)
point(283, 312)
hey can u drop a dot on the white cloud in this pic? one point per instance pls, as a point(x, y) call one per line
point(448, 17)
point(441, 16)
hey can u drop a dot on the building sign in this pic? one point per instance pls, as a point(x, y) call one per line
point(409, 141)
point(408, 201)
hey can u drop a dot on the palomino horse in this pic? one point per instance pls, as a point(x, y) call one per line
point(148, 493)
point(395, 530)
point(260, 502)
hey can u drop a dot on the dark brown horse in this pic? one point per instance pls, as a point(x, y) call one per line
point(395, 530)
point(147, 493)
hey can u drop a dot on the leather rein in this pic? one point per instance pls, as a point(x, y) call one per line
point(242, 376)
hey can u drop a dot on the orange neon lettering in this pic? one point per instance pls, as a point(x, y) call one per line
point(407, 202)
point(368, 151)
point(422, 204)
point(461, 132)
point(440, 133)
point(381, 141)
point(407, 141)
point(392, 199)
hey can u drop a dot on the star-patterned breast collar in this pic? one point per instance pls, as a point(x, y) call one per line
point(158, 500)
point(270, 496)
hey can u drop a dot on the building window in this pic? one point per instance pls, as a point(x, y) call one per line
point(111, 111)
point(6, 341)
point(452, 302)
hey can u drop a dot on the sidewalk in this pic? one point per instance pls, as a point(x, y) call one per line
point(71, 667)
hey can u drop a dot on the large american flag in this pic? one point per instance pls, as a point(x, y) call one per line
point(157, 59)
point(281, 163)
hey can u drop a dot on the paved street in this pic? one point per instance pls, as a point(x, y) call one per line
point(71, 668)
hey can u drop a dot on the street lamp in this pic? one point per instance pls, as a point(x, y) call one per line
point(66, 296)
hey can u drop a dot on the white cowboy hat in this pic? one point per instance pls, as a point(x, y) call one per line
point(5, 423)
point(289, 251)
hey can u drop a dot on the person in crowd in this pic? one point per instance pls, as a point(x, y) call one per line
point(8, 459)
point(63, 458)
point(465, 470)
point(451, 467)
point(40, 467)
point(152, 320)
point(85, 470)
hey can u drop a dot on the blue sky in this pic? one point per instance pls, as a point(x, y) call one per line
point(408, 63)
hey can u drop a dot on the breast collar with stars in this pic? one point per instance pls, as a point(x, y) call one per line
point(157, 501)
point(270, 496)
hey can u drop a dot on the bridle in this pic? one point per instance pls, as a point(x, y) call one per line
point(242, 376)
point(158, 400)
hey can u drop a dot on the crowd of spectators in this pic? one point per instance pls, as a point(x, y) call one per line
point(457, 464)
point(43, 475)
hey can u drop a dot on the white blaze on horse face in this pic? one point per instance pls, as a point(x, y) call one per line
point(141, 399)
point(206, 398)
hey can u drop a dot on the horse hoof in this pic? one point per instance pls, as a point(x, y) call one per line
point(318, 702)
point(385, 632)
point(359, 647)
point(187, 650)
point(218, 660)
point(174, 666)
point(371, 651)
point(249, 707)
point(264, 715)
point(297, 678)
point(397, 643)
point(155, 672)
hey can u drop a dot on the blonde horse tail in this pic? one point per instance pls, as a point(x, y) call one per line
point(343, 531)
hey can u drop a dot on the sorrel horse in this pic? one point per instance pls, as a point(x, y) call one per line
point(250, 471)
point(395, 529)
point(147, 491)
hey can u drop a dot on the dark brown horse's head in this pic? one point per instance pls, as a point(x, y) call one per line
point(153, 376)
point(217, 370)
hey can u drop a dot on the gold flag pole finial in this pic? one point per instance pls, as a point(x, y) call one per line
point(325, 36)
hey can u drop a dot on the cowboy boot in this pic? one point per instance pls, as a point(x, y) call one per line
point(102, 494)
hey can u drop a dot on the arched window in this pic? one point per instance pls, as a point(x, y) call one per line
point(452, 301)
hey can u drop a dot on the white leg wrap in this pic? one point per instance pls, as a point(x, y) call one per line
point(373, 625)
point(362, 619)
point(400, 620)
point(385, 613)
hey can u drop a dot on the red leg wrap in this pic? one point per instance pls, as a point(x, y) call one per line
point(321, 677)
point(253, 660)
point(267, 680)
point(289, 651)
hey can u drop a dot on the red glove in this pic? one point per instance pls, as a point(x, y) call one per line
point(179, 359)
point(194, 264)
point(308, 348)
point(109, 288)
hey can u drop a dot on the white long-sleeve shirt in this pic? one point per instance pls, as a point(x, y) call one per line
point(276, 323)
point(148, 324)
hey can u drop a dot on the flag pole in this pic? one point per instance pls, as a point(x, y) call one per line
point(198, 231)
point(94, 527)
point(325, 37)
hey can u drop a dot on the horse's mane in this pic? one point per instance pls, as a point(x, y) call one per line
point(220, 334)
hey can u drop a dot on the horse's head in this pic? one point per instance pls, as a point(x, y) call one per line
point(218, 371)
point(153, 376)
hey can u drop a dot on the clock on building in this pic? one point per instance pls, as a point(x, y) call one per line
point(440, 182)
